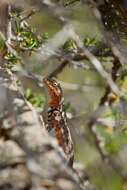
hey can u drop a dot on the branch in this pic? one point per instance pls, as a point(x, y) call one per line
point(59, 69)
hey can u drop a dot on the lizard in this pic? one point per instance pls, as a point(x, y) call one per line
point(57, 120)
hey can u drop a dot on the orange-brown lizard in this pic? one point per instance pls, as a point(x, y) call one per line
point(56, 118)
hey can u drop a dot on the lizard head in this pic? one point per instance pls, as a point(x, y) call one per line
point(54, 91)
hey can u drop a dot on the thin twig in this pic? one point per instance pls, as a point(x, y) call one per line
point(115, 69)
point(65, 62)
point(31, 13)
point(59, 69)
point(96, 63)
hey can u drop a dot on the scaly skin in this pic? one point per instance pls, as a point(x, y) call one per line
point(57, 118)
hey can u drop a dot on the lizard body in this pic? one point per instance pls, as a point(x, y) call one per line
point(56, 118)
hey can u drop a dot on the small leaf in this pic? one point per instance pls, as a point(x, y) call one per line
point(37, 100)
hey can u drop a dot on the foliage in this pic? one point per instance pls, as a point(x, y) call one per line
point(70, 46)
point(69, 108)
point(2, 46)
point(90, 41)
point(113, 140)
point(37, 100)
point(12, 58)
point(23, 39)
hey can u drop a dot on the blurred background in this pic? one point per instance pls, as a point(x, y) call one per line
point(82, 88)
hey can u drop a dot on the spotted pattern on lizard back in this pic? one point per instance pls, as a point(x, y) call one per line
point(56, 118)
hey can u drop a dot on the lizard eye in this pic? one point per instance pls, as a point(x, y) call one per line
point(55, 83)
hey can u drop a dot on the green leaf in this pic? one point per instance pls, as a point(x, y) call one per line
point(10, 57)
point(37, 100)
point(70, 45)
point(68, 107)
point(2, 45)
point(88, 41)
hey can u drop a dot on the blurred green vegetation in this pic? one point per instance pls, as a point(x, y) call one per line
point(37, 100)
point(76, 101)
